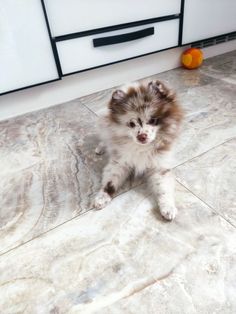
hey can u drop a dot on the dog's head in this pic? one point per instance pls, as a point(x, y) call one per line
point(147, 114)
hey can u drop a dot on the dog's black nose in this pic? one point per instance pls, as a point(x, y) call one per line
point(142, 137)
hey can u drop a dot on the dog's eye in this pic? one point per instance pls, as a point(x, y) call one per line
point(153, 121)
point(131, 124)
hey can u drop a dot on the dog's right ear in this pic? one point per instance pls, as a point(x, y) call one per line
point(119, 96)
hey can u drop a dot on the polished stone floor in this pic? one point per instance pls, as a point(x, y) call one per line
point(58, 255)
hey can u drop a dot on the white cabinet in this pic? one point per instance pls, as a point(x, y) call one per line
point(26, 56)
point(91, 33)
point(124, 25)
point(208, 18)
point(72, 16)
point(91, 51)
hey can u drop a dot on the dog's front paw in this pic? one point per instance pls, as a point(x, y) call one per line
point(101, 200)
point(100, 149)
point(168, 212)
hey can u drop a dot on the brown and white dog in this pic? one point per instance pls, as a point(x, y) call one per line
point(138, 132)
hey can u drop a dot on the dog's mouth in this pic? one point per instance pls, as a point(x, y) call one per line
point(142, 142)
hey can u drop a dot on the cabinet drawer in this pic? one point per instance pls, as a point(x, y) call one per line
point(72, 16)
point(105, 48)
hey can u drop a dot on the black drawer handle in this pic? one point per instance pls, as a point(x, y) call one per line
point(117, 39)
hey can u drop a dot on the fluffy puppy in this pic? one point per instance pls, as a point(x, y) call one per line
point(138, 133)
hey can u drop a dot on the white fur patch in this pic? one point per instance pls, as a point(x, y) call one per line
point(168, 212)
point(102, 200)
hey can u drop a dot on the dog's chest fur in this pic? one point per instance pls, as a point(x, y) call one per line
point(140, 159)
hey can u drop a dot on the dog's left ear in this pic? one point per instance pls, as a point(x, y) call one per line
point(159, 89)
point(119, 96)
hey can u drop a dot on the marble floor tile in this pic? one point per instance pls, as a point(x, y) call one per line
point(211, 177)
point(98, 102)
point(210, 119)
point(49, 171)
point(221, 67)
point(125, 259)
point(179, 79)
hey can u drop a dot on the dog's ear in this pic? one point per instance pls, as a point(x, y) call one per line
point(117, 103)
point(119, 96)
point(159, 89)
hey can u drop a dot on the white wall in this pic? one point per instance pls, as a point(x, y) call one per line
point(85, 83)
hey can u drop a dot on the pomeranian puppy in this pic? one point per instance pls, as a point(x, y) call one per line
point(138, 133)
